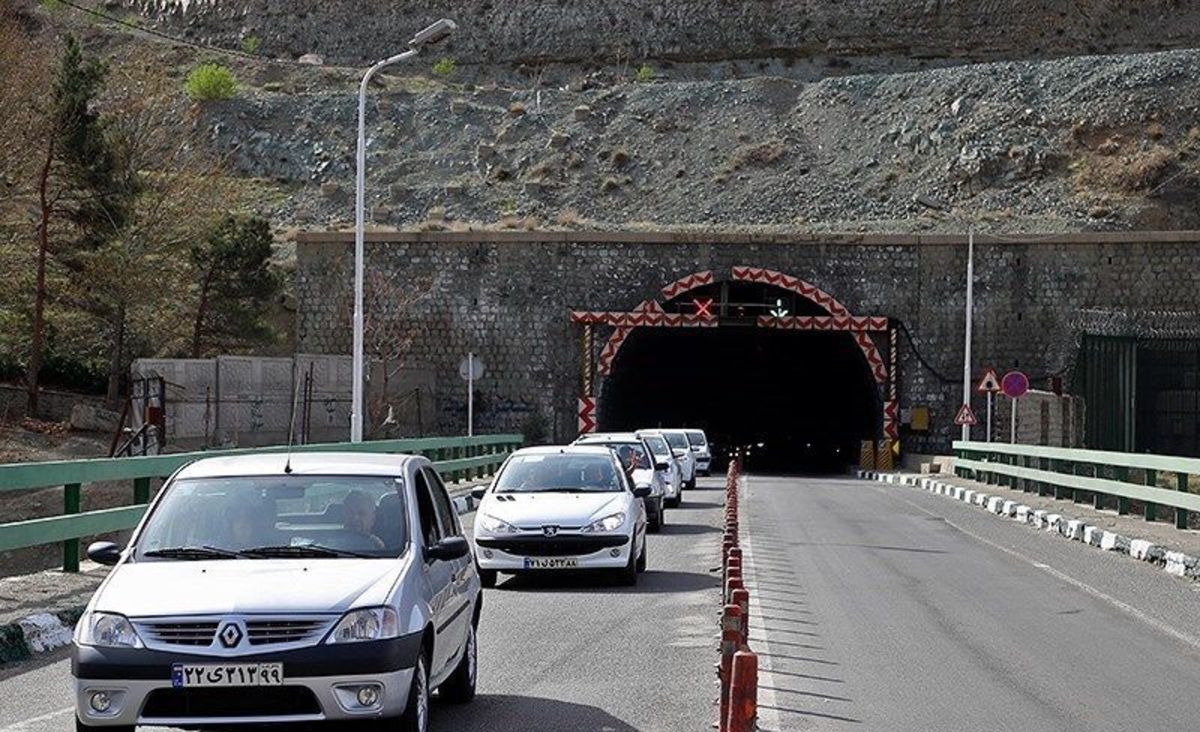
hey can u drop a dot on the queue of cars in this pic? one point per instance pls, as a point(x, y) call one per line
point(282, 589)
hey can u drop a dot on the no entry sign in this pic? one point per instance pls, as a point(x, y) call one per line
point(1014, 384)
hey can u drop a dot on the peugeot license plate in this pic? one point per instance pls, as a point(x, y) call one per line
point(551, 562)
point(229, 674)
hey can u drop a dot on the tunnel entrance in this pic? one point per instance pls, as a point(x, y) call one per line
point(760, 375)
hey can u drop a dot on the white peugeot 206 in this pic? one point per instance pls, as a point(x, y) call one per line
point(561, 508)
point(265, 589)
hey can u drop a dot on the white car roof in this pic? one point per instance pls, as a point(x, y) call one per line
point(602, 437)
point(303, 463)
point(566, 450)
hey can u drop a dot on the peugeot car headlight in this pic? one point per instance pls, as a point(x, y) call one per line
point(106, 630)
point(606, 524)
point(376, 623)
point(493, 525)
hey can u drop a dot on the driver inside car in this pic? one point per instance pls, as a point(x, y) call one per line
point(358, 517)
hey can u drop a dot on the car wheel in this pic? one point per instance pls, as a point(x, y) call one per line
point(81, 727)
point(460, 687)
point(416, 712)
point(691, 484)
point(628, 575)
point(488, 578)
point(656, 520)
point(641, 561)
point(673, 502)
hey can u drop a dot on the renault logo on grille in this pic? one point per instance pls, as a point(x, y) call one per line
point(550, 530)
point(230, 635)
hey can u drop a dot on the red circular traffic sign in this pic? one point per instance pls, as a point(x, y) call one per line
point(1014, 384)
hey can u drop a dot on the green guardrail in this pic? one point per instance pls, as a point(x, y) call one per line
point(455, 458)
point(1077, 475)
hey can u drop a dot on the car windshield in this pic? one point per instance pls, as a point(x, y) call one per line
point(272, 516)
point(658, 446)
point(696, 438)
point(676, 440)
point(561, 472)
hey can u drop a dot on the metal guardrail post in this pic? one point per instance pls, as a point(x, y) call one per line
point(1181, 514)
point(71, 546)
point(1150, 510)
point(1122, 474)
point(141, 490)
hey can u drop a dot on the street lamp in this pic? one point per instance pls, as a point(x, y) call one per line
point(435, 33)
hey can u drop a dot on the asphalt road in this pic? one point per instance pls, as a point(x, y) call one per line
point(881, 607)
point(557, 654)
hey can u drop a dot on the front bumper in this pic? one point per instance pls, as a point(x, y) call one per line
point(508, 554)
point(138, 681)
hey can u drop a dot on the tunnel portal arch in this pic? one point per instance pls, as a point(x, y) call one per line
point(689, 303)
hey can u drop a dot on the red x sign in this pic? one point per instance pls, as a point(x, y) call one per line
point(703, 307)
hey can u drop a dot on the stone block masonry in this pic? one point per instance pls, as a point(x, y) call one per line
point(507, 295)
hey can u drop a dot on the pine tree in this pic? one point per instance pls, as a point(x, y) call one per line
point(236, 284)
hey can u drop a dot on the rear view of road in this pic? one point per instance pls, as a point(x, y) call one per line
point(883, 607)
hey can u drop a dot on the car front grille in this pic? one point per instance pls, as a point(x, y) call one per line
point(181, 634)
point(559, 546)
point(268, 632)
point(261, 701)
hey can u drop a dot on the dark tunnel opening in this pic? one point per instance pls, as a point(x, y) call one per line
point(800, 401)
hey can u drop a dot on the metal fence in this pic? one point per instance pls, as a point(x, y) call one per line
point(456, 458)
point(1080, 475)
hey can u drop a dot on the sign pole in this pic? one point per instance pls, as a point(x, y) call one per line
point(989, 417)
point(1012, 433)
point(966, 428)
point(470, 394)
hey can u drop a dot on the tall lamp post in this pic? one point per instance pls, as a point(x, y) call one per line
point(435, 33)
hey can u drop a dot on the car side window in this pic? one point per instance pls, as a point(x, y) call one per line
point(426, 512)
point(447, 518)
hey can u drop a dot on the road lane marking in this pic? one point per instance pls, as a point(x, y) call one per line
point(768, 702)
point(24, 724)
point(1159, 625)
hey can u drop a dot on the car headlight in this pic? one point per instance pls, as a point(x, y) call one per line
point(608, 523)
point(106, 630)
point(356, 626)
point(493, 525)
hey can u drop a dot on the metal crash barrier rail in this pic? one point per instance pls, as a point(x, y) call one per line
point(455, 458)
point(1080, 475)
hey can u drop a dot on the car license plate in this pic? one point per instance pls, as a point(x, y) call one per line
point(230, 674)
point(551, 562)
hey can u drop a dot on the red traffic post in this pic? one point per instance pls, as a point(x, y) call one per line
point(733, 582)
point(743, 693)
point(731, 632)
point(741, 598)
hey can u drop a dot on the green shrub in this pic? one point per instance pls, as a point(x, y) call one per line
point(644, 74)
point(250, 44)
point(209, 82)
point(444, 67)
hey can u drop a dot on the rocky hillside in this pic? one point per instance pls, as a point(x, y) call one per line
point(1081, 142)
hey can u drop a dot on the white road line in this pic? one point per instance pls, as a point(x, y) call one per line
point(768, 703)
point(1125, 607)
point(24, 724)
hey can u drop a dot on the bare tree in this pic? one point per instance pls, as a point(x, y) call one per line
point(389, 330)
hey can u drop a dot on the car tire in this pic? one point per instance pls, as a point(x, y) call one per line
point(459, 688)
point(674, 502)
point(488, 578)
point(416, 711)
point(656, 520)
point(628, 575)
point(641, 561)
point(691, 484)
point(81, 727)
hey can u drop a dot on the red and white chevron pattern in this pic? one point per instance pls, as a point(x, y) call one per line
point(891, 421)
point(824, 322)
point(683, 284)
point(643, 319)
point(874, 362)
point(615, 341)
point(794, 284)
point(587, 415)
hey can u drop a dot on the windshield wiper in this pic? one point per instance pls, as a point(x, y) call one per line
point(192, 552)
point(302, 550)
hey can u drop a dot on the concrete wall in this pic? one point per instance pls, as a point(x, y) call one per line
point(55, 406)
point(604, 31)
point(507, 297)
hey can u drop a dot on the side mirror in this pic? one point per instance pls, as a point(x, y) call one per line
point(642, 491)
point(478, 492)
point(104, 552)
point(662, 466)
point(448, 549)
point(679, 453)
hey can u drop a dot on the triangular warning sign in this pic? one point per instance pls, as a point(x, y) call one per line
point(965, 416)
point(989, 383)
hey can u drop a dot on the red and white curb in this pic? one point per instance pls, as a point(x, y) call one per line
point(1175, 563)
